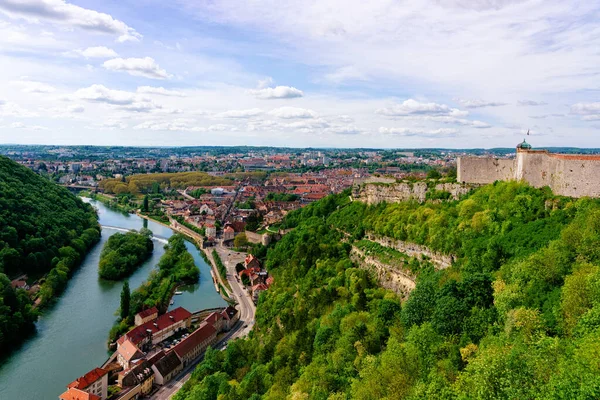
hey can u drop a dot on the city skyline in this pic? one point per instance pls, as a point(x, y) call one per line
point(444, 74)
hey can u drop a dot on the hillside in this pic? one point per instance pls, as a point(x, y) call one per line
point(516, 316)
point(44, 229)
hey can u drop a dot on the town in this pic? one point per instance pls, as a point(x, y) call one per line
point(162, 348)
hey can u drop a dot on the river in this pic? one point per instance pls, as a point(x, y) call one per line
point(71, 335)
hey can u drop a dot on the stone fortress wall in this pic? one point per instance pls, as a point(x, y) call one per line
point(566, 174)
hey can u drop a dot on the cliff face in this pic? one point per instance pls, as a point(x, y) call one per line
point(439, 260)
point(398, 192)
point(392, 277)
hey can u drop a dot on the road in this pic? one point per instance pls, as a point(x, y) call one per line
point(246, 308)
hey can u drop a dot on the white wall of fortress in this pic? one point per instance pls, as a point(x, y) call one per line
point(566, 175)
point(484, 170)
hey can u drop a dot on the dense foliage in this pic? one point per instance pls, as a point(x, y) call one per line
point(176, 267)
point(43, 229)
point(282, 197)
point(123, 253)
point(148, 183)
point(516, 317)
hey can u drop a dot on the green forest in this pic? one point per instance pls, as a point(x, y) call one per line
point(123, 253)
point(154, 183)
point(45, 231)
point(517, 315)
point(176, 267)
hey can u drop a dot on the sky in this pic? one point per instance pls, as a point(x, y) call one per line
point(318, 73)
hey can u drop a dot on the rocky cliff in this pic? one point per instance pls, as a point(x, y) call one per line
point(439, 260)
point(373, 193)
point(392, 277)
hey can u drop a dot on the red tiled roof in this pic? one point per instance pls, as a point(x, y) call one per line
point(213, 318)
point(154, 359)
point(260, 286)
point(148, 312)
point(229, 312)
point(191, 342)
point(129, 351)
point(76, 394)
point(87, 379)
point(137, 334)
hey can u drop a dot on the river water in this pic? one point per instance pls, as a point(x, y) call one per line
point(71, 335)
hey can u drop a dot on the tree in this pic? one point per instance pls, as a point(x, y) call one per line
point(125, 300)
point(145, 205)
point(240, 241)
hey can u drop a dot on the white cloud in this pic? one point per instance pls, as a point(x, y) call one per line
point(265, 83)
point(142, 106)
point(252, 112)
point(479, 103)
point(278, 92)
point(344, 74)
point(441, 132)
point(159, 91)
point(344, 130)
point(183, 125)
point(69, 15)
point(102, 94)
point(531, 103)
point(28, 86)
point(11, 109)
point(414, 107)
point(21, 125)
point(97, 52)
point(145, 67)
point(587, 111)
point(292, 112)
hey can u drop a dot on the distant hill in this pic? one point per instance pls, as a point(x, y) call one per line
point(44, 233)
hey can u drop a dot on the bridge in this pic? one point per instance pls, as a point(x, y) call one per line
point(95, 189)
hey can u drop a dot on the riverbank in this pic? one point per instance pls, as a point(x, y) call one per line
point(71, 334)
point(197, 240)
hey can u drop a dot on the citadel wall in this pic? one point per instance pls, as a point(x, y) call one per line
point(484, 170)
point(567, 175)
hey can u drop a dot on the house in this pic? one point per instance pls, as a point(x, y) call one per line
point(141, 374)
point(228, 233)
point(146, 315)
point(94, 382)
point(77, 394)
point(19, 284)
point(211, 230)
point(126, 353)
point(166, 368)
point(215, 319)
point(159, 329)
point(230, 317)
point(194, 345)
point(251, 262)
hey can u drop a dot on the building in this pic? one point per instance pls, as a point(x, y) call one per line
point(216, 320)
point(228, 233)
point(194, 345)
point(94, 382)
point(166, 368)
point(146, 315)
point(211, 230)
point(141, 374)
point(76, 394)
point(127, 352)
point(230, 317)
point(251, 262)
point(159, 329)
point(573, 175)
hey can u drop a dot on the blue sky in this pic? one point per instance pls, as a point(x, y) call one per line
point(426, 73)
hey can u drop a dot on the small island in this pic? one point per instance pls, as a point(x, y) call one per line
point(123, 253)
